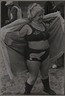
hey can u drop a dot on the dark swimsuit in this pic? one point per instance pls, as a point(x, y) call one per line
point(33, 54)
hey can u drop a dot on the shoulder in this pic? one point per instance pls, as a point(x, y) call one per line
point(27, 29)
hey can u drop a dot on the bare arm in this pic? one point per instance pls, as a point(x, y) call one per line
point(55, 14)
point(51, 16)
point(26, 30)
point(23, 31)
point(19, 34)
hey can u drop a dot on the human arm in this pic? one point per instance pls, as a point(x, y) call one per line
point(52, 15)
point(21, 33)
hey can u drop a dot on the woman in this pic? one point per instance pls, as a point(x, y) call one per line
point(37, 52)
point(38, 48)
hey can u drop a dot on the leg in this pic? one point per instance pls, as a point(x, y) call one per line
point(33, 67)
point(45, 78)
point(45, 68)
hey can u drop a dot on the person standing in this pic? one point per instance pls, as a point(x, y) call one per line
point(37, 52)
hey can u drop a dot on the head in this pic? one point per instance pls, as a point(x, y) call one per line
point(35, 12)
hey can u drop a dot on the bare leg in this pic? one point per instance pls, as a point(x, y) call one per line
point(45, 78)
point(33, 67)
point(45, 68)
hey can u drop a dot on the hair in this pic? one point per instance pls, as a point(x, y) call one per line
point(33, 9)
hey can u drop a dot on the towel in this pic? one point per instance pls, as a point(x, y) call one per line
point(10, 46)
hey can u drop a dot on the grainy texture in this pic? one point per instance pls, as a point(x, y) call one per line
point(16, 86)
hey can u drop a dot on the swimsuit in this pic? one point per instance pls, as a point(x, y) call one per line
point(37, 35)
point(35, 54)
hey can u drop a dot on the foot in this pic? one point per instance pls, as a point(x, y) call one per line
point(50, 92)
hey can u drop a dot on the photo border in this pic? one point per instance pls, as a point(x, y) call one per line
point(64, 47)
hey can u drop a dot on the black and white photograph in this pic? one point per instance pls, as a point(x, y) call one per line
point(32, 47)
